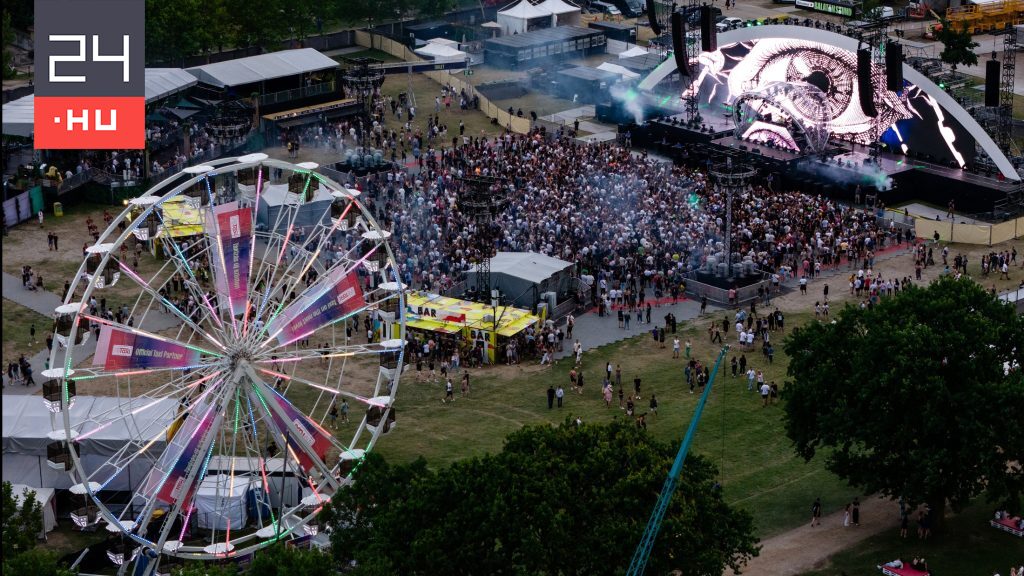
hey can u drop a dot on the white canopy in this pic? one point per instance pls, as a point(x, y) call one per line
point(616, 69)
point(162, 82)
point(562, 13)
point(441, 52)
point(514, 20)
point(18, 116)
point(220, 502)
point(263, 67)
point(45, 497)
point(27, 423)
point(634, 51)
point(445, 42)
point(530, 266)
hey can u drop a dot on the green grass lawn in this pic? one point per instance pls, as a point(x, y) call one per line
point(969, 546)
point(17, 322)
point(759, 470)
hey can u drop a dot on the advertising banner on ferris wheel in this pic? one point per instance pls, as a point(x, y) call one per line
point(118, 349)
point(231, 264)
point(312, 434)
point(331, 298)
point(166, 481)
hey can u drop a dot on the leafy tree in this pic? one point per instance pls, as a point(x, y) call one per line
point(431, 8)
point(205, 569)
point(957, 45)
point(176, 29)
point(565, 500)
point(281, 560)
point(22, 524)
point(37, 562)
point(912, 397)
point(8, 34)
point(262, 25)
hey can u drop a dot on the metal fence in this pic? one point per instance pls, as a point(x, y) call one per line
point(76, 180)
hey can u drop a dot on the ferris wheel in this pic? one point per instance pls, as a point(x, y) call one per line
point(215, 341)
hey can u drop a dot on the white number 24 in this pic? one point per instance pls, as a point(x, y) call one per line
point(81, 56)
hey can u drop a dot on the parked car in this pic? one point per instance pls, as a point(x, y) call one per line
point(729, 23)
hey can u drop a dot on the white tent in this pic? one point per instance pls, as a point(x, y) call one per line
point(44, 496)
point(444, 42)
point(634, 51)
point(27, 423)
point(562, 13)
point(162, 82)
point(220, 502)
point(517, 19)
point(19, 116)
point(621, 71)
point(254, 69)
point(441, 52)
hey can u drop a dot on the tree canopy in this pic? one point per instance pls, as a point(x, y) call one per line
point(555, 500)
point(22, 524)
point(957, 45)
point(913, 397)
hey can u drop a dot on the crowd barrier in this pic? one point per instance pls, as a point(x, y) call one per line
point(982, 234)
point(445, 78)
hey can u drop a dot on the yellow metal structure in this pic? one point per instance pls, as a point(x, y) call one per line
point(988, 17)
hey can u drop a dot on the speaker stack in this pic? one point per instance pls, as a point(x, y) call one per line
point(708, 32)
point(679, 43)
point(894, 66)
point(865, 82)
point(652, 17)
point(992, 70)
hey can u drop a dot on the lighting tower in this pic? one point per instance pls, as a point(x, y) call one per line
point(1004, 115)
point(481, 199)
point(731, 179)
point(362, 79)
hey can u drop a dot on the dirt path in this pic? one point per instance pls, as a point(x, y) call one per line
point(806, 548)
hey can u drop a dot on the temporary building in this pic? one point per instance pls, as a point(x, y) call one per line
point(562, 13)
point(634, 51)
point(441, 52)
point(253, 69)
point(275, 197)
point(19, 116)
point(221, 501)
point(105, 424)
point(620, 70)
point(45, 497)
point(523, 276)
point(523, 17)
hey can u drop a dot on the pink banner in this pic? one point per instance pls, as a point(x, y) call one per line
point(119, 349)
point(332, 298)
point(231, 265)
point(166, 481)
point(312, 434)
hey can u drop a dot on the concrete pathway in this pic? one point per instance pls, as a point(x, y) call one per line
point(44, 303)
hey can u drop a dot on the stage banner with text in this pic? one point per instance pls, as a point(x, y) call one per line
point(330, 299)
point(118, 349)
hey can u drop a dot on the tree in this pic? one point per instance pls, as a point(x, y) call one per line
point(565, 500)
point(37, 562)
point(8, 35)
point(22, 522)
point(205, 569)
point(281, 560)
point(432, 8)
point(957, 45)
point(912, 397)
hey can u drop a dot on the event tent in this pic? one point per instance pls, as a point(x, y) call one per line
point(27, 423)
point(45, 496)
point(18, 116)
point(517, 19)
point(616, 69)
point(274, 198)
point(516, 274)
point(562, 12)
point(160, 82)
point(263, 67)
point(441, 52)
point(634, 51)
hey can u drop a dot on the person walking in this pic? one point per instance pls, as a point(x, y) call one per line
point(334, 415)
point(551, 397)
point(846, 516)
point(855, 512)
point(765, 391)
point(449, 392)
point(559, 394)
point(344, 411)
point(654, 405)
point(816, 513)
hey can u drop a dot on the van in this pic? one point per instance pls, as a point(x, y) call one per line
point(605, 8)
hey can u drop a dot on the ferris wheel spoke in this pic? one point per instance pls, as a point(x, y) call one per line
point(185, 264)
point(95, 373)
point(298, 436)
point(294, 335)
point(334, 391)
point(144, 351)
